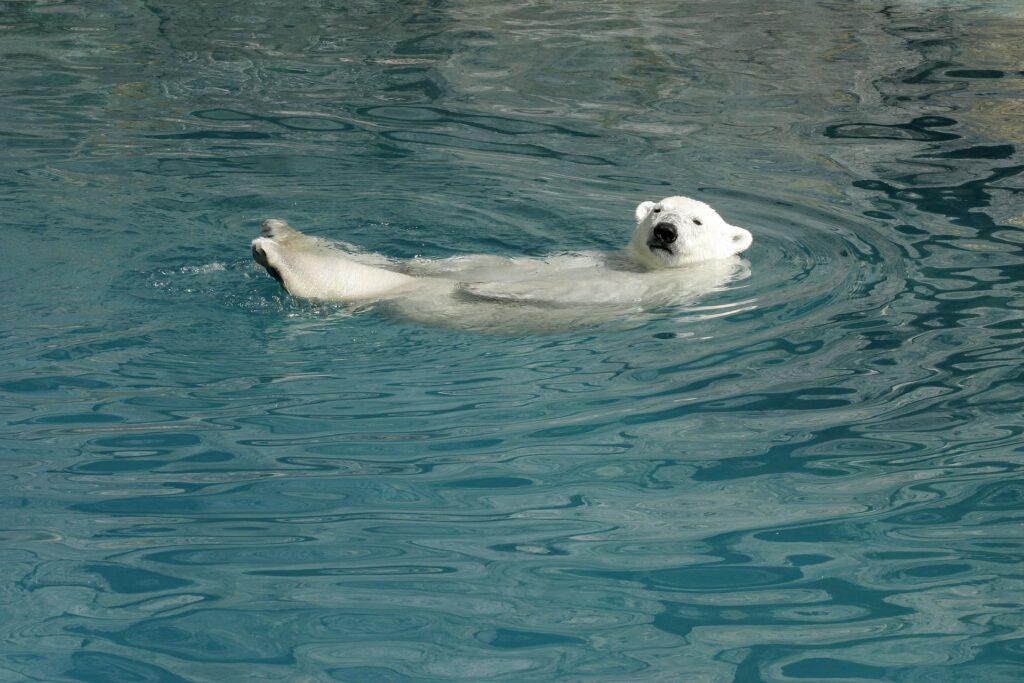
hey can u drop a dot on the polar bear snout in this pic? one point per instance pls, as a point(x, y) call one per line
point(665, 233)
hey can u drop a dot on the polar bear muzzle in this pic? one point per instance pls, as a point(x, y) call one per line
point(662, 236)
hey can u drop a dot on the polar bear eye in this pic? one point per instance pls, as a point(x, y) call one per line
point(656, 209)
point(696, 221)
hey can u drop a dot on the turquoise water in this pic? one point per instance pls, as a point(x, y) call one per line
point(814, 474)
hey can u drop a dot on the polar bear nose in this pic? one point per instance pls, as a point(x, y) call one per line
point(665, 232)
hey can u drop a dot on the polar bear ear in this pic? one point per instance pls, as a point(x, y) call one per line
point(643, 209)
point(741, 239)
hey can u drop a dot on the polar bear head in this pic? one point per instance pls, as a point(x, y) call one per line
point(678, 230)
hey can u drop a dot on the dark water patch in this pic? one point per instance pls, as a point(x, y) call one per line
point(819, 668)
point(509, 639)
point(974, 73)
point(932, 571)
point(79, 419)
point(31, 385)
point(101, 667)
point(108, 577)
point(994, 152)
point(918, 129)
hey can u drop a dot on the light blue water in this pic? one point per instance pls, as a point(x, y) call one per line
point(813, 475)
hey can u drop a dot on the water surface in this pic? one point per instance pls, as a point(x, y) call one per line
point(814, 474)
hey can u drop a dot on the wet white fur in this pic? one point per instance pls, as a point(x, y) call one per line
point(559, 290)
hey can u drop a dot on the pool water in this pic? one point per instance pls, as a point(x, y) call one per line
point(814, 473)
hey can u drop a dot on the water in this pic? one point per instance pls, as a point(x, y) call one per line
point(814, 474)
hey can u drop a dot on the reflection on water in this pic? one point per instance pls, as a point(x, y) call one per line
point(206, 480)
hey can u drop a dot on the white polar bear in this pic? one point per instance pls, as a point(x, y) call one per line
point(681, 249)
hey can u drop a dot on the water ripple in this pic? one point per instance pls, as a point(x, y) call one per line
point(813, 474)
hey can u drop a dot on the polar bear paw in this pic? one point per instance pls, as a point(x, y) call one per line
point(259, 255)
point(273, 232)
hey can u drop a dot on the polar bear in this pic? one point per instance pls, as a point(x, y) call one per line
point(680, 249)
